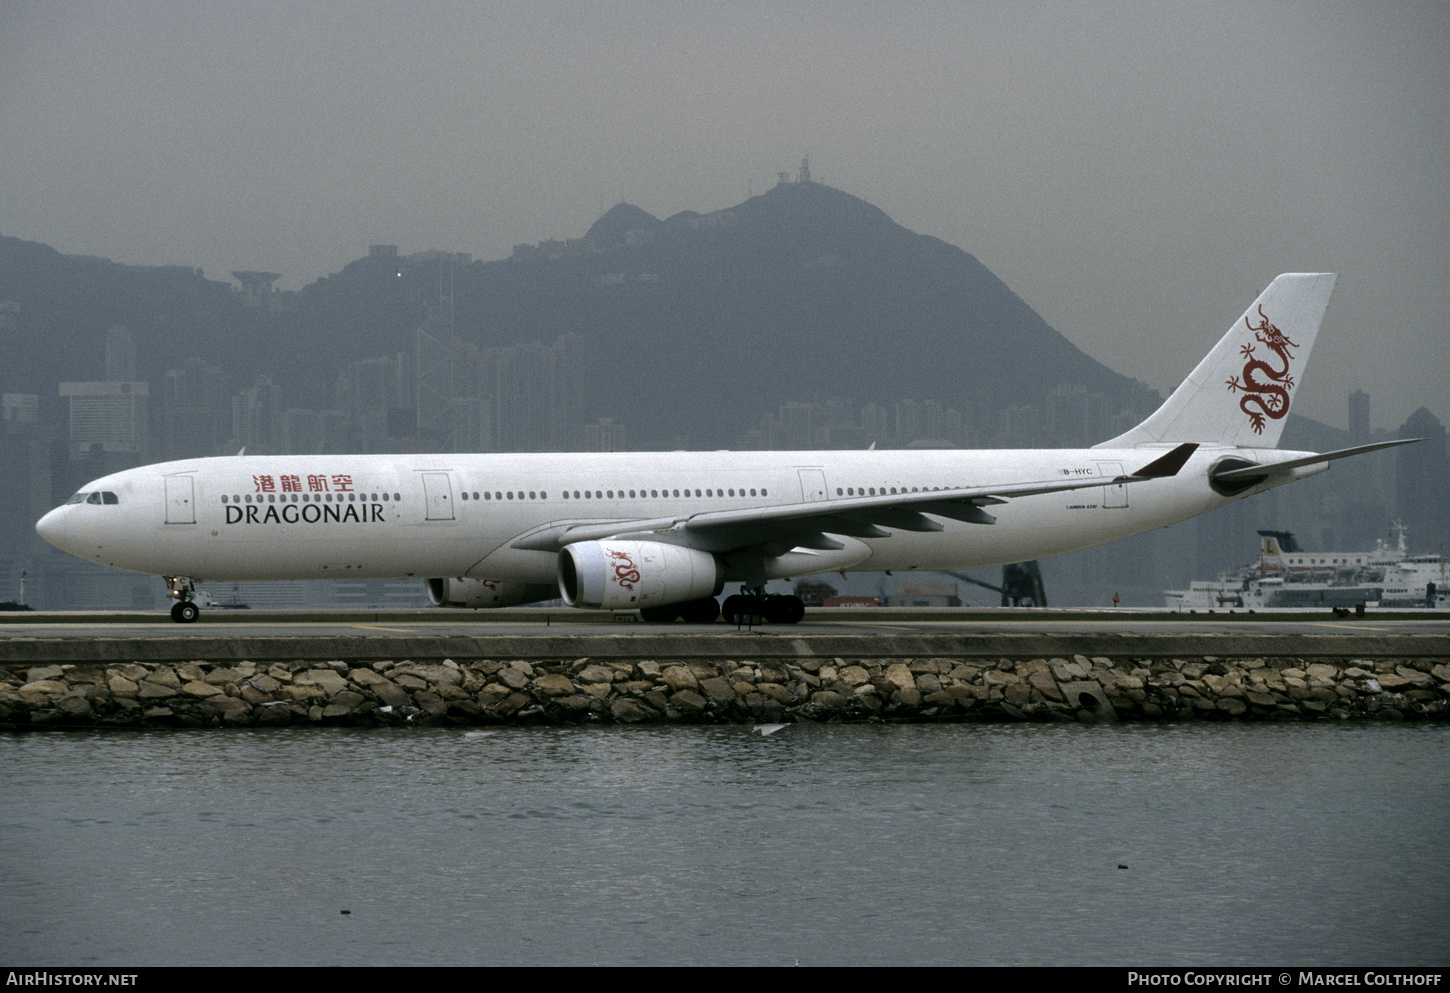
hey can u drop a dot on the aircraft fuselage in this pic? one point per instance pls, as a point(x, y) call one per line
point(391, 516)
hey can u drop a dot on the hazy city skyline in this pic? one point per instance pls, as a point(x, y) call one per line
point(1136, 173)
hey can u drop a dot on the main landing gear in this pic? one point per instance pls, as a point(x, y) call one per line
point(752, 606)
point(747, 607)
point(184, 610)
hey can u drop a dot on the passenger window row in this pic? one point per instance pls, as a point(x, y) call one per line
point(882, 490)
point(107, 497)
point(313, 498)
point(614, 494)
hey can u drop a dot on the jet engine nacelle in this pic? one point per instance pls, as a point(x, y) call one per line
point(624, 575)
point(485, 593)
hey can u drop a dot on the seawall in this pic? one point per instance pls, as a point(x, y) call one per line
point(571, 679)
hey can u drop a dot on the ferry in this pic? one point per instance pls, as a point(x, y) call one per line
point(1286, 576)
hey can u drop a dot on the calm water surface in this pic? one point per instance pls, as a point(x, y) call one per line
point(824, 844)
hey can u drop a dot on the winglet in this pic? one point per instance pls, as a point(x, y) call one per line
point(1169, 464)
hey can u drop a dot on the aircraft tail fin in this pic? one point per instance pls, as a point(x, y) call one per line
point(1241, 392)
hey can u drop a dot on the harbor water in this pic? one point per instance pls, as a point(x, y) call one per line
point(820, 844)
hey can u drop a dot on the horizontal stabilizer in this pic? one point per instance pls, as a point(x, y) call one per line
point(1235, 474)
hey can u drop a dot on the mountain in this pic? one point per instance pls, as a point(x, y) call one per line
point(802, 293)
point(691, 328)
point(59, 308)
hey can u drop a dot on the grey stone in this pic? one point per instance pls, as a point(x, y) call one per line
point(678, 677)
point(328, 680)
point(717, 690)
point(687, 699)
point(446, 674)
point(554, 684)
point(628, 711)
point(121, 686)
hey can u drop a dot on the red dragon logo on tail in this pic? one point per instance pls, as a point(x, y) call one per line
point(1272, 397)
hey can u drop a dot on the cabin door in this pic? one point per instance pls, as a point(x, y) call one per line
point(180, 500)
point(813, 484)
point(438, 494)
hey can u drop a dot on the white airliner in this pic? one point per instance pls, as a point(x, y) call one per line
point(664, 532)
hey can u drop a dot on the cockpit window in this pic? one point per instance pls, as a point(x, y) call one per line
point(98, 497)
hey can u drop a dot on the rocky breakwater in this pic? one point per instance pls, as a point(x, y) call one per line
point(482, 692)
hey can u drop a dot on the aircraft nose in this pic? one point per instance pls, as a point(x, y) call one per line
point(51, 527)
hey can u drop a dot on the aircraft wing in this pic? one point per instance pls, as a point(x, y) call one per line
point(809, 524)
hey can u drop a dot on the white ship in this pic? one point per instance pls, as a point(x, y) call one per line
point(1286, 576)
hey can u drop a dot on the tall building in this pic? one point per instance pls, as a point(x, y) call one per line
point(1359, 416)
point(25, 487)
point(375, 397)
point(1021, 426)
point(120, 356)
point(1097, 418)
point(19, 412)
point(257, 417)
point(1422, 477)
point(1066, 416)
point(797, 426)
point(437, 389)
point(108, 416)
point(604, 435)
point(301, 432)
point(195, 412)
point(522, 398)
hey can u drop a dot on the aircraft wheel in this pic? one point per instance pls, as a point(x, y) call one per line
point(730, 609)
point(783, 609)
point(797, 610)
point(659, 615)
point(741, 606)
point(185, 612)
point(702, 611)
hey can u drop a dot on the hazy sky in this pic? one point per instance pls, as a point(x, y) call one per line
point(1136, 172)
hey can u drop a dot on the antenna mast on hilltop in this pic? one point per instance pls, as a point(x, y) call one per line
point(805, 176)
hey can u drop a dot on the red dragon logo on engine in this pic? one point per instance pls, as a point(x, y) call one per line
point(1271, 398)
point(626, 574)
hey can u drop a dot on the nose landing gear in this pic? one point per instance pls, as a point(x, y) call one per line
point(184, 610)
